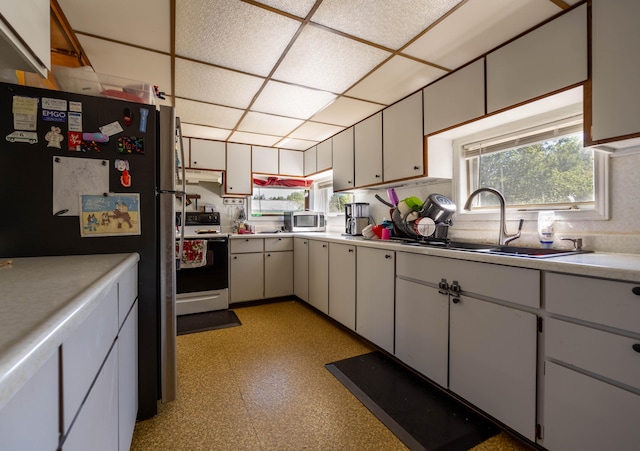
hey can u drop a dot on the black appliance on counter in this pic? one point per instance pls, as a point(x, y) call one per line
point(30, 226)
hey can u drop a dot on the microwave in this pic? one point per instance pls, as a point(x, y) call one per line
point(304, 221)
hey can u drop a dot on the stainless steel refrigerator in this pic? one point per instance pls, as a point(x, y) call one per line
point(30, 227)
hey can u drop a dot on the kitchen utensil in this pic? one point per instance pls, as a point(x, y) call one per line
point(393, 197)
point(377, 196)
point(438, 207)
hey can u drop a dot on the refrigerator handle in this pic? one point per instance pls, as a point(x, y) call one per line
point(184, 192)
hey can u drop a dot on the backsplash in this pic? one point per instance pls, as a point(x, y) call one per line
point(619, 234)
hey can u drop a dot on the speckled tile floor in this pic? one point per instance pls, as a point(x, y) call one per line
point(263, 386)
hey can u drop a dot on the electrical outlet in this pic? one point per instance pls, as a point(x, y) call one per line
point(232, 201)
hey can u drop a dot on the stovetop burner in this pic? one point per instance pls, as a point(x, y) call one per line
point(200, 225)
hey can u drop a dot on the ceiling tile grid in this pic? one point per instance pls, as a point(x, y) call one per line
point(272, 73)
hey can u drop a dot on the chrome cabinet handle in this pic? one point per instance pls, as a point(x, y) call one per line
point(455, 287)
point(444, 287)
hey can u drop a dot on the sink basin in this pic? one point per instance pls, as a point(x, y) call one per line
point(522, 251)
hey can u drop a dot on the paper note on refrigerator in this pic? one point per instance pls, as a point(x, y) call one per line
point(73, 177)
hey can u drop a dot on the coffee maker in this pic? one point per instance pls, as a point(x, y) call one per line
point(356, 217)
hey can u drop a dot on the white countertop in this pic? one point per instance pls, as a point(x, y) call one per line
point(42, 300)
point(604, 265)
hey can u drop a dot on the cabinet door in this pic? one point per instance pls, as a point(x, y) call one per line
point(615, 66)
point(422, 329)
point(207, 154)
point(278, 274)
point(25, 39)
point(455, 99)
point(343, 160)
point(30, 419)
point(310, 160)
point(402, 139)
point(96, 425)
point(492, 361)
point(368, 151)
point(375, 274)
point(319, 275)
point(128, 378)
point(323, 155)
point(246, 275)
point(301, 268)
point(342, 284)
point(264, 160)
point(238, 180)
point(545, 60)
point(583, 413)
point(291, 162)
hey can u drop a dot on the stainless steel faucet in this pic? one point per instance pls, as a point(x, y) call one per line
point(504, 237)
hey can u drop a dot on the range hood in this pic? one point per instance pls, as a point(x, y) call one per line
point(198, 175)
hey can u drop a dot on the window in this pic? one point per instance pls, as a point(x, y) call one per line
point(275, 201)
point(332, 204)
point(545, 167)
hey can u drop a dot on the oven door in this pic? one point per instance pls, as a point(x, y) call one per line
point(205, 288)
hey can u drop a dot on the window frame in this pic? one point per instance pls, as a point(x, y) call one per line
point(461, 188)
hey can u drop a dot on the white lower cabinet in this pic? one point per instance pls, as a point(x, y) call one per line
point(584, 413)
point(128, 378)
point(422, 329)
point(35, 408)
point(278, 274)
point(319, 275)
point(375, 276)
point(96, 426)
point(342, 284)
point(492, 360)
point(246, 277)
point(301, 268)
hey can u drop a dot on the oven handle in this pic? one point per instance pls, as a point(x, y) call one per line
point(191, 298)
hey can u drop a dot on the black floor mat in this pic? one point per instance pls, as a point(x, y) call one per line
point(420, 415)
point(200, 322)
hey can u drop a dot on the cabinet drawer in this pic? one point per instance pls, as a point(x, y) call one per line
point(127, 292)
point(245, 245)
point(278, 244)
point(604, 302)
point(518, 285)
point(600, 352)
point(84, 351)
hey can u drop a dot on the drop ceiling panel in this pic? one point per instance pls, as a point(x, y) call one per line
point(477, 27)
point(207, 114)
point(268, 124)
point(211, 84)
point(116, 59)
point(388, 23)
point(253, 138)
point(315, 131)
point(396, 79)
point(145, 23)
point(296, 144)
point(291, 101)
point(232, 34)
point(324, 60)
point(298, 8)
point(199, 131)
point(346, 112)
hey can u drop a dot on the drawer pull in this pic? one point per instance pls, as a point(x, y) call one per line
point(350, 250)
point(636, 290)
point(636, 347)
point(387, 256)
point(455, 300)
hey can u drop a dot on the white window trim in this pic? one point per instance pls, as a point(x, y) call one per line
point(460, 194)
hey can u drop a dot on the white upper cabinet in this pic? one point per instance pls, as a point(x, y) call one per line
point(368, 151)
point(402, 143)
point(264, 160)
point(238, 180)
point(455, 99)
point(343, 160)
point(207, 154)
point(310, 160)
point(549, 58)
point(291, 162)
point(25, 40)
point(323, 156)
point(614, 69)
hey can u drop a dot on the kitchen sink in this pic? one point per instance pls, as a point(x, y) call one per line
point(514, 251)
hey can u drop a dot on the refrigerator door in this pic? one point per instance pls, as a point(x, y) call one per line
point(168, 261)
